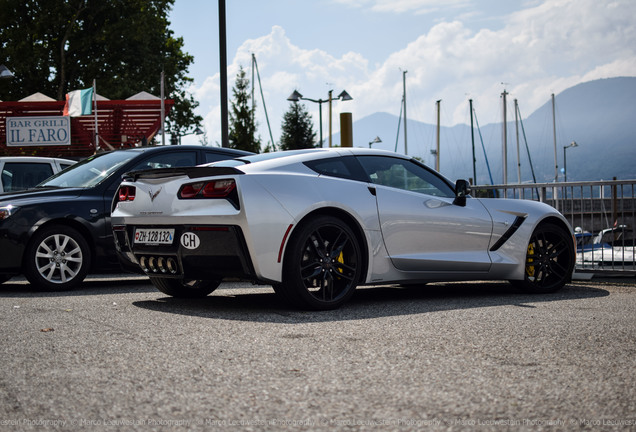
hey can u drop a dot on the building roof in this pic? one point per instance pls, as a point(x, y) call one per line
point(120, 124)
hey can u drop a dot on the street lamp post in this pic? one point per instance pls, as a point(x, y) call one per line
point(565, 164)
point(344, 96)
point(375, 141)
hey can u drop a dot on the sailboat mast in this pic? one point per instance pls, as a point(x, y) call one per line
point(472, 140)
point(556, 163)
point(253, 102)
point(406, 151)
point(437, 139)
point(505, 141)
point(518, 154)
point(260, 86)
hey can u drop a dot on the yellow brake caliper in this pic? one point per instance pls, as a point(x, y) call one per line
point(530, 260)
point(340, 259)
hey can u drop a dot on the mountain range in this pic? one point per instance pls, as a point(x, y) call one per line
point(599, 116)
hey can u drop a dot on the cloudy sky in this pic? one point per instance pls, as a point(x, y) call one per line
point(452, 50)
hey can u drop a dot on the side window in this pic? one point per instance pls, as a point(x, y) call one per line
point(167, 160)
point(7, 178)
point(404, 174)
point(341, 167)
point(19, 176)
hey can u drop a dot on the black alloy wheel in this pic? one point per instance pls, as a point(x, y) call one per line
point(185, 288)
point(322, 264)
point(549, 260)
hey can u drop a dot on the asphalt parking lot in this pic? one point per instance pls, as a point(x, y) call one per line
point(118, 355)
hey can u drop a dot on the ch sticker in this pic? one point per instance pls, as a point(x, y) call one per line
point(190, 240)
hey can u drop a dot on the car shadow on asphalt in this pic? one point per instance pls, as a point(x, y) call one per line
point(19, 287)
point(368, 302)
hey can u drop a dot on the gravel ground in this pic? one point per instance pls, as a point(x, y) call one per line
point(118, 355)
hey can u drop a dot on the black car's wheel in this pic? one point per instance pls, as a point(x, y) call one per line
point(549, 260)
point(57, 258)
point(185, 288)
point(322, 264)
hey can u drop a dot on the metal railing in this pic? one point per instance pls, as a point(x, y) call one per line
point(603, 214)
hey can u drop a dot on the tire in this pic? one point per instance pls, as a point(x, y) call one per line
point(549, 260)
point(280, 292)
point(57, 258)
point(185, 288)
point(322, 264)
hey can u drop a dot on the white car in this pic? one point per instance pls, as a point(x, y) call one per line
point(19, 173)
point(317, 223)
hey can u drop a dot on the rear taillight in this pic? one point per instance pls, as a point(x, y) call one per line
point(126, 193)
point(211, 189)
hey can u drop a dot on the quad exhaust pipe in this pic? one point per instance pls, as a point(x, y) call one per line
point(159, 265)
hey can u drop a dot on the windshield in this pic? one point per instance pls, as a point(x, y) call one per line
point(90, 171)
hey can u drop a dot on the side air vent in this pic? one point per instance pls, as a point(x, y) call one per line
point(504, 238)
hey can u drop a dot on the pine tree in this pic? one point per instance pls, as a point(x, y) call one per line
point(242, 133)
point(298, 131)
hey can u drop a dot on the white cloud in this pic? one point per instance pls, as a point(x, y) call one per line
point(542, 49)
point(403, 6)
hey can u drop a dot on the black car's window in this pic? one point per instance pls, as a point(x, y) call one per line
point(90, 171)
point(168, 160)
point(216, 156)
point(18, 176)
point(404, 174)
point(247, 159)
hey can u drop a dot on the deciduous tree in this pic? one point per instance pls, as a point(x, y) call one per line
point(55, 46)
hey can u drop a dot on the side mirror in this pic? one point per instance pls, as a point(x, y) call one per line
point(462, 190)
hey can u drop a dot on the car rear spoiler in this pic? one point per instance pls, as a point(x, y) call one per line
point(191, 172)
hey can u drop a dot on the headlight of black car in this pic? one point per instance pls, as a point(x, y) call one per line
point(6, 211)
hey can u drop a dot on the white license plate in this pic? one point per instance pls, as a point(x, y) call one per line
point(154, 235)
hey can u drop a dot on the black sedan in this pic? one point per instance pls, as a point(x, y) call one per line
point(60, 231)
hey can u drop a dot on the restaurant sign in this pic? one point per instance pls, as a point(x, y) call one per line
point(38, 131)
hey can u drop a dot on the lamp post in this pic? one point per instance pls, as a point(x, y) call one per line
point(565, 164)
point(434, 153)
point(296, 96)
point(375, 141)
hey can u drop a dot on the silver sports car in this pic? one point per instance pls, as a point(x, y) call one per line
point(317, 223)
